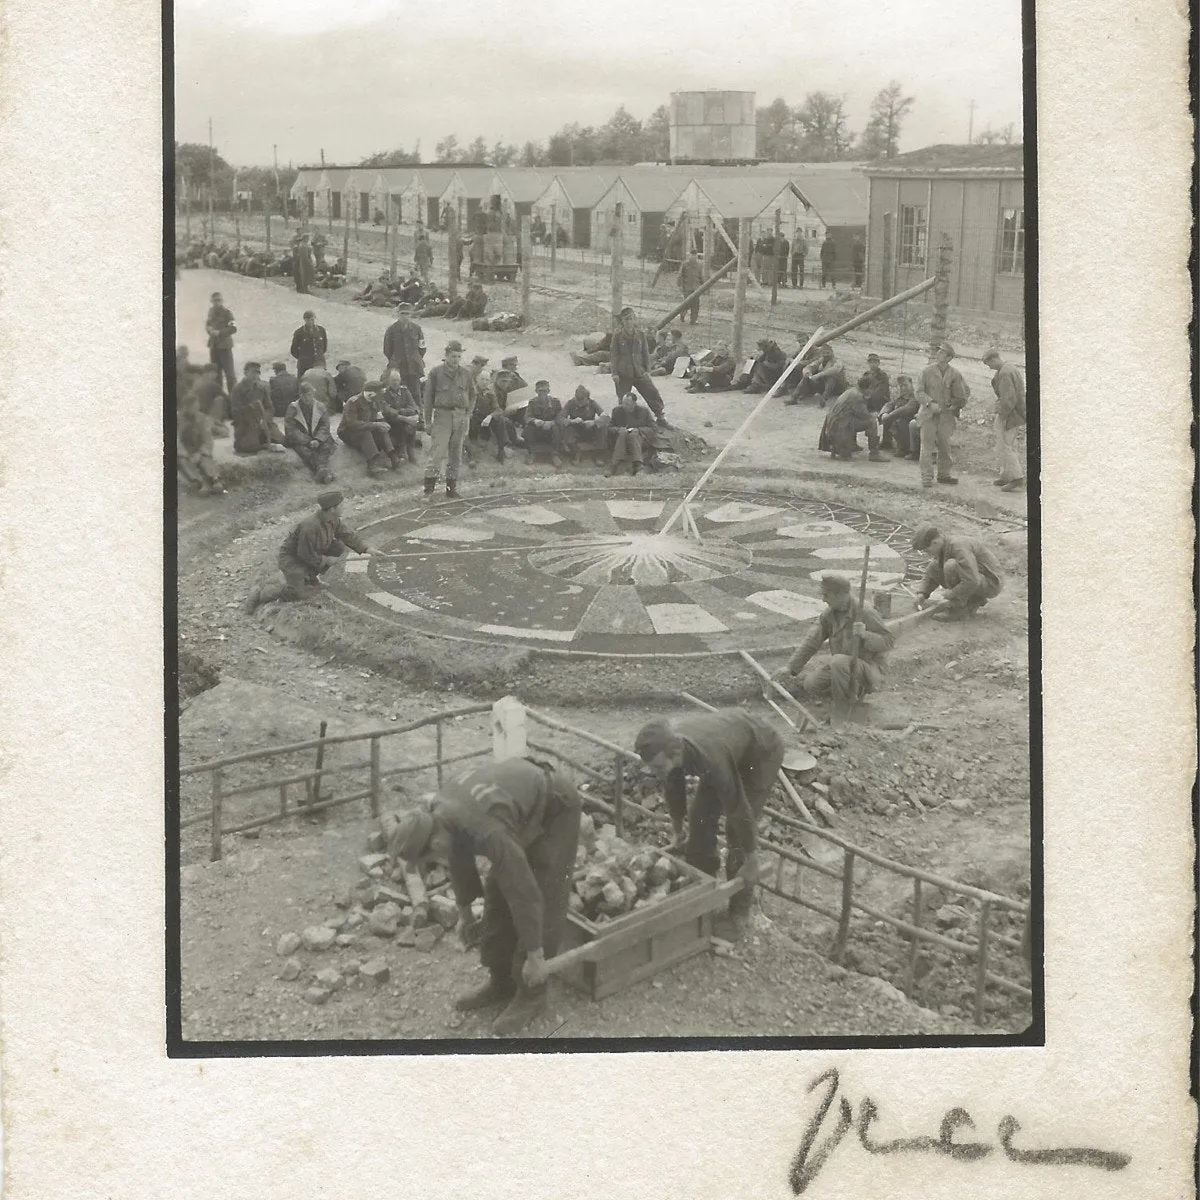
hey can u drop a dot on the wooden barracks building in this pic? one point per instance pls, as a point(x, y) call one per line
point(976, 194)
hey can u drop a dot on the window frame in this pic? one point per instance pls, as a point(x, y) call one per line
point(913, 251)
point(1011, 260)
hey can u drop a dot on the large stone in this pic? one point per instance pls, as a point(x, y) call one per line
point(375, 970)
point(346, 939)
point(291, 970)
point(384, 920)
point(317, 994)
point(376, 843)
point(288, 944)
point(406, 937)
point(318, 937)
point(372, 862)
point(444, 911)
point(428, 938)
point(329, 978)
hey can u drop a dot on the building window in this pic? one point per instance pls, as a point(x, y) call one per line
point(1012, 241)
point(913, 233)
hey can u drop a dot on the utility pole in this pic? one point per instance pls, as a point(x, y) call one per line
point(526, 267)
point(971, 123)
point(553, 236)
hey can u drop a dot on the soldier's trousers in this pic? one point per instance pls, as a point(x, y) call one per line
point(552, 861)
point(935, 435)
point(446, 433)
point(299, 580)
point(644, 386)
point(1006, 450)
point(832, 677)
point(370, 443)
point(988, 588)
point(317, 461)
point(222, 359)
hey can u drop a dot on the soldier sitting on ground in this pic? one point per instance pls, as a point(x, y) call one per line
point(470, 306)
point(715, 374)
point(308, 552)
point(631, 430)
point(767, 368)
point(364, 428)
point(824, 378)
point(403, 415)
point(284, 387)
point(584, 424)
point(348, 382)
point(254, 427)
point(967, 571)
point(194, 444)
point(306, 431)
point(846, 419)
point(842, 624)
point(896, 418)
point(542, 426)
point(596, 351)
point(676, 348)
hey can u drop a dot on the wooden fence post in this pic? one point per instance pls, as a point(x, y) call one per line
point(376, 783)
point(739, 295)
point(267, 218)
point(553, 237)
point(526, 267)
point(452, 251)
point(941, 293)
point(981, 963)
point(508, 729)
point(618, 260)
point(237, 230)
point(843, 929)
point(393, 234)
point(775, 262)
point(218, 804)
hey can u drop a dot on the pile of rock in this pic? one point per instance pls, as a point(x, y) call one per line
point(613, 877)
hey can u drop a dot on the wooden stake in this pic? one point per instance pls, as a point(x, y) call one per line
point(393, 234)
point(452, 220)
point(553, 237)
point(775, 263)
point(739, 295)
point(267, 219)
point(618, 260)
point(526, 267)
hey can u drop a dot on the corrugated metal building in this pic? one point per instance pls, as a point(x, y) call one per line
point(976, 194)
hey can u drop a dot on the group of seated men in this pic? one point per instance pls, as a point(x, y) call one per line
point(260, 264)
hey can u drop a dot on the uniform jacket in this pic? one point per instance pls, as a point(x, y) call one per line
point(848, 414)
point(721, 748)
point(691, 276)
point(630, 354)
point(637, 418)
point(250, 401)
point(828, 250)
point(498, 812)
point(284, 389)
point(1010, 395)
point(831, 377)
point(548, 408)
point(448, 387)
point(313, 538)
point(399, 404)
point(879, 391)
point(348, 382)
point(309, 344)
point(505, 381)
point(800, 247)
point(220, 327)
point(360, 410)
point(423, 254)
point(941, 392)
point(404, 347)
point(582, 410)
point(975, 564)
point(900, 408)
point(300, 428)
point(837, 629)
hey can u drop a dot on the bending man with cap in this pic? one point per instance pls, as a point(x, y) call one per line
point(523, 817)
point(448, 400)
point(967, 571)
point(943, 395)
point(309, 551)
point(842, 624)
point(737, 758)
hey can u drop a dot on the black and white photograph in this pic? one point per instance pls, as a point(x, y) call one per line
point(605, 518)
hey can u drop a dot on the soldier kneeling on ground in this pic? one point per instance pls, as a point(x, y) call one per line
point(523, 816)
point(308, 552)
point(967, 571)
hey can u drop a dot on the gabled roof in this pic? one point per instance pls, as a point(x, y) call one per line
point(435, 180)
point(836, 199)
point(525, 184)
point(732, 196)
point(948, 158)
point(394, 179)
point(338, 177)
point(651, 193)
point(476, 185)
point(584, 188)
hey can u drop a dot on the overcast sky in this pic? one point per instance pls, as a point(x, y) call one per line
point(356, 76)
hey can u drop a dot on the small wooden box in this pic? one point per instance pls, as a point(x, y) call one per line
point(639, 944)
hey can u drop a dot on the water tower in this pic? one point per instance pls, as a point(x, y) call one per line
point(713, 127)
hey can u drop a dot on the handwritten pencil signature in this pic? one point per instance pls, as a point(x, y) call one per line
point(810, 1158)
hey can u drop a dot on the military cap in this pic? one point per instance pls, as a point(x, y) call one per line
point(455, 344)
point(990, 355)
point(330, 499)
point(677, 333)
point(511, 361)
point(949, 349)
point(872, 358)
point(654, 737)
point(343, 362)
point(581, 393)
point(479, 360)
point(252, 366)
point(373, 386)
point(834, 583)
point(542, 383)
point(626, 312)
point(404, 307)
point(411, 835)
point(308, 312)
point(924, 535)
point(279, 365)
point(215, 296)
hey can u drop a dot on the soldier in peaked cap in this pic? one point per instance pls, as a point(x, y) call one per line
point(404, 348)
point(311, 548)
point(943, 394)
point(521, 815)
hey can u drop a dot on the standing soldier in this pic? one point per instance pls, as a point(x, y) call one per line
point(828, 259)
point(737, 758)
point(423, 256)
point(630, 364)
point(308, 552)
point(404, 348)
point(858, 259)
point(220, 329)
point(781, 260)
point(448, 399)
point(309, 343)
point(799, 250)
point(843, 624)
point(691, 276)
point(523, 817)
point(967, 571)
point(302, 263)
point(1010, 416)
point(943, 394)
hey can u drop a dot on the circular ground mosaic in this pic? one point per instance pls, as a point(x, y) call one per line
point(589, 572)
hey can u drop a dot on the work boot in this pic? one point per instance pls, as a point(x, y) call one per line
point(394, 461)
point(499, 989)
point(526, 1006)
point(451, 489)
point(634, 468)
point(878, 456)
point(430, 484)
